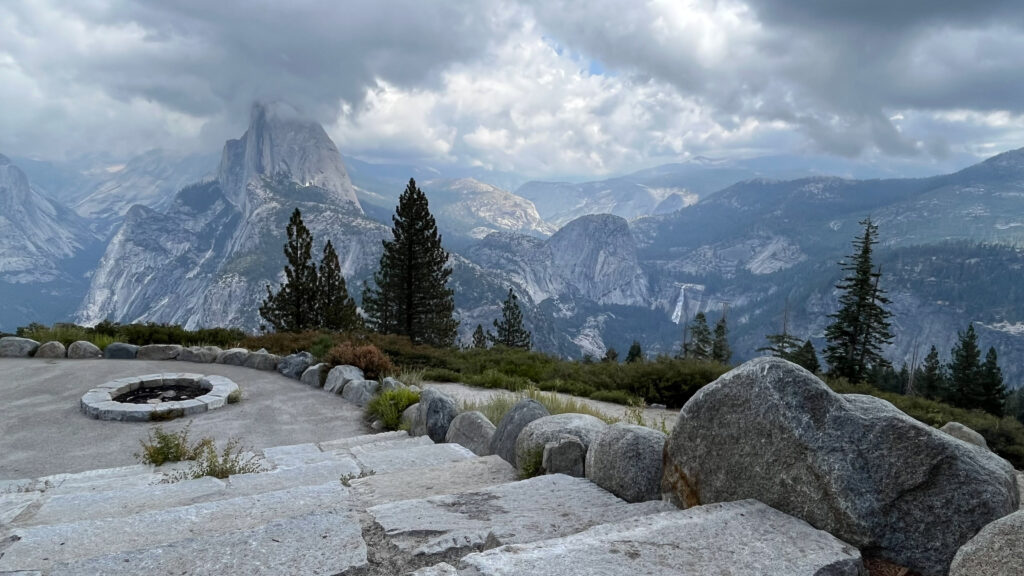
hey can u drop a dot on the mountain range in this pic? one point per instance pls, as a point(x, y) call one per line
point(596, 264)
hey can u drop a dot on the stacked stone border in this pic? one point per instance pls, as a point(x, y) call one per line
point(99, 402)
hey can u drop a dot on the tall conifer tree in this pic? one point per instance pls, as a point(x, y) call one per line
point(720, 350)
point(965, 370)
point(509, 331)
point(479, 338)
point(701, 343)
point(931, 380)
point(293, 307)
point(411, 295)
point(993, 391)
point(806, 356)
point(337, 310)
point(860, 328)
point(635, 353)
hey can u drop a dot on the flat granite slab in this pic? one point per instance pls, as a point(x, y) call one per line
point(316, 544)
point(40, 547)
point(745, 538)
point(450, 478)
point(526, 511)
point(423, 456)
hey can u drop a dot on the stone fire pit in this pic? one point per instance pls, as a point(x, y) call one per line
point(157, 397)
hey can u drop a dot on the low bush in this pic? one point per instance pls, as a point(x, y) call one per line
point(615, 396)
point(494, 379)
point(161, 447)
point(388, 406)
point(368, 358)
point(441, 375)
point(106, 333)
point(285, 343)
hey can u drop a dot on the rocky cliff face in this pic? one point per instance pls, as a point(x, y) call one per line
point(593, 257)
point(206, 260)
point(472, 208)
point(36, 233)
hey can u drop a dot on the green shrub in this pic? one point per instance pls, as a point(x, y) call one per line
point(388, 406)
point(498, 404)
point(234, 459)
point(616, 396)
point(495, 379)
point(235, 396)
point(368, 358)
point(441, 375)
point(160, 447)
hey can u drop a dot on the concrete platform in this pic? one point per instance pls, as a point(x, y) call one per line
point(43, 431)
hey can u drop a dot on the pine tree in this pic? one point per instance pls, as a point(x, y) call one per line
point(931, 380)
point(992, 390)
point(510, 331)
point(336, 309)
point(635, 353)
point(293, 307)
point(860, 328)
point(479, 338)
point(701, 343)
point(806, 356)
point(783, 344)
point(720, 350)
point(965, 370)
point(411, 295)
point(610, 356)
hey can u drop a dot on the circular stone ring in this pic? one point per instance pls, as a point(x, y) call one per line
point(99, 402)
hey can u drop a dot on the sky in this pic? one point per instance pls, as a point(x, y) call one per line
point(552, 88)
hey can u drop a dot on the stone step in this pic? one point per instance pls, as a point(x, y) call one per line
point(346, 443)
point(525, 511)
point(421, 456)
point(318, 543)
point(294, 455)
point(452, 478)
point(284, 478)
point(39, 547)
point(75, 506)
point(14, 504)
point(91, 480)
point(745, 538)
point(391, 444)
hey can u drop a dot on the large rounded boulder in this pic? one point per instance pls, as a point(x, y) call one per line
point(293, 365)
point(52, 349)
point(472, 430)
point(199, 354)
point(437, 410)
point(15, 347)
point(851, 465)
point(503, 443)
point(626, 461)
point(998, 550)
point(82, 349)
point(958, 430)
point(340, 376)
point(158, 352)
point(120, 351)
point(553, 429)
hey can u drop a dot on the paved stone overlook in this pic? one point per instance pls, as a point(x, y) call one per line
point(356, 504)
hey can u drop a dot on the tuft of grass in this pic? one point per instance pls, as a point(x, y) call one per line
point(388, 406)
point(160, 446)
point(411, 377)
point(235, 396)
point(494, 408)
point(233, 459)
point(634, 414)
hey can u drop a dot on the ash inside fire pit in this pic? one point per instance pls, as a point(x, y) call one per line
point(165, 393)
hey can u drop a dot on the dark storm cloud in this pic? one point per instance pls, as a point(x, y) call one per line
point(506, 82)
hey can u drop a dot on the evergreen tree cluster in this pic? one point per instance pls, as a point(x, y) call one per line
point(967, 381)
point(311, 297)
point(703, 344)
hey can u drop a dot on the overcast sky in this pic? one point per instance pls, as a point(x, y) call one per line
point(546, 88)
